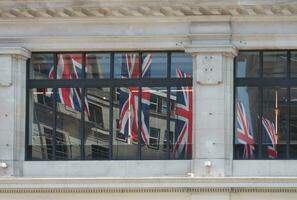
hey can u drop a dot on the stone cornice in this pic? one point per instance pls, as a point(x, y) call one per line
point(181, 184)
point(16, 51)
point(71, 9)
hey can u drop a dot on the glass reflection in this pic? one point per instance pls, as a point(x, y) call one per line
point(98, 65)
point(293, 59)
point(69, 66)
point(293, 123)
point(126, 65)
point(247, 64)
point(154, 65)
point(181, 61)
point(42, 66)
point(41, 124)
point(154, 123)
point(97, 124)
point(275, 64)
point(181, 122)
point(274, 122)
point(125, 121)
point(68, 123)
point(246, 122)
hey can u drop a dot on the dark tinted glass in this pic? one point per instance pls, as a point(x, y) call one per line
point(42, 66)
point(293, 63)
point(274, 64)
point(247, 64)
point(98, 65)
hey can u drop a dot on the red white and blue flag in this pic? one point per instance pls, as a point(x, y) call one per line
point(69, 67)
point(183, 123)
point(271, 132)
point(129, 97)
point(244, 133)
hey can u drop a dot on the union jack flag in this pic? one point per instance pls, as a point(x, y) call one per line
point(69, 67)
point(129, 97)
point(244, 134)
point(183, 123)
point(271, 132)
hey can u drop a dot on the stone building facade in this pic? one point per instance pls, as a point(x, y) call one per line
point(214, 33)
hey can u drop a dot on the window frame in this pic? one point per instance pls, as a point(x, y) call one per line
point(110, 82)
point(262, 82)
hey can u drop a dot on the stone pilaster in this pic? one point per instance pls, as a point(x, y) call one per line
point(12, 109)
point(213, 109)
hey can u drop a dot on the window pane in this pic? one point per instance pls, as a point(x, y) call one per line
point(293, 64)
point(126, 65)
point(154, 65)
point(247, 64)
point(69, 66)
point(125, 130)
point(246, 122)
point(275, 64)
point(181, 122)
point(276, 116)
point(181, 61)
point(42, 66)
point(41, 124)
point(98, 65)
point(97, 124)
point(68, 123)
point(153, 124)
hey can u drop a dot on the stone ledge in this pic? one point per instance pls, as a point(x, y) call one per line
point(149, 185)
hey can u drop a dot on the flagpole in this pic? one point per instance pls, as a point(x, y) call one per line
point(276, 110)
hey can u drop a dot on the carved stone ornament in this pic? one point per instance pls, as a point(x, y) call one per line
point(209, 69)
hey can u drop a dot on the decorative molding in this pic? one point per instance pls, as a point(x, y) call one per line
point(147, 185)
point(132, 8)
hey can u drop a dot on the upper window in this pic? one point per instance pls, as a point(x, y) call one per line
point(109, 106)
point(265, 116)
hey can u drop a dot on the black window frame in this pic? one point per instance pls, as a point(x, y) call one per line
point(261, 82)
point(110, 82)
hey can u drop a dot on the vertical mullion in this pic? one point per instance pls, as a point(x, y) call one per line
point(289, 103)
point(55, 89)
point(261, 106)
point(168, 108)
point(82, 120)
point(111, 108)
point(139, 107)
point(27, 109)
point(289, 123)
point(234, 113)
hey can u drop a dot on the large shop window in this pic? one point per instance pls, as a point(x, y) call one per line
point(109, 106)
point(265, 110)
